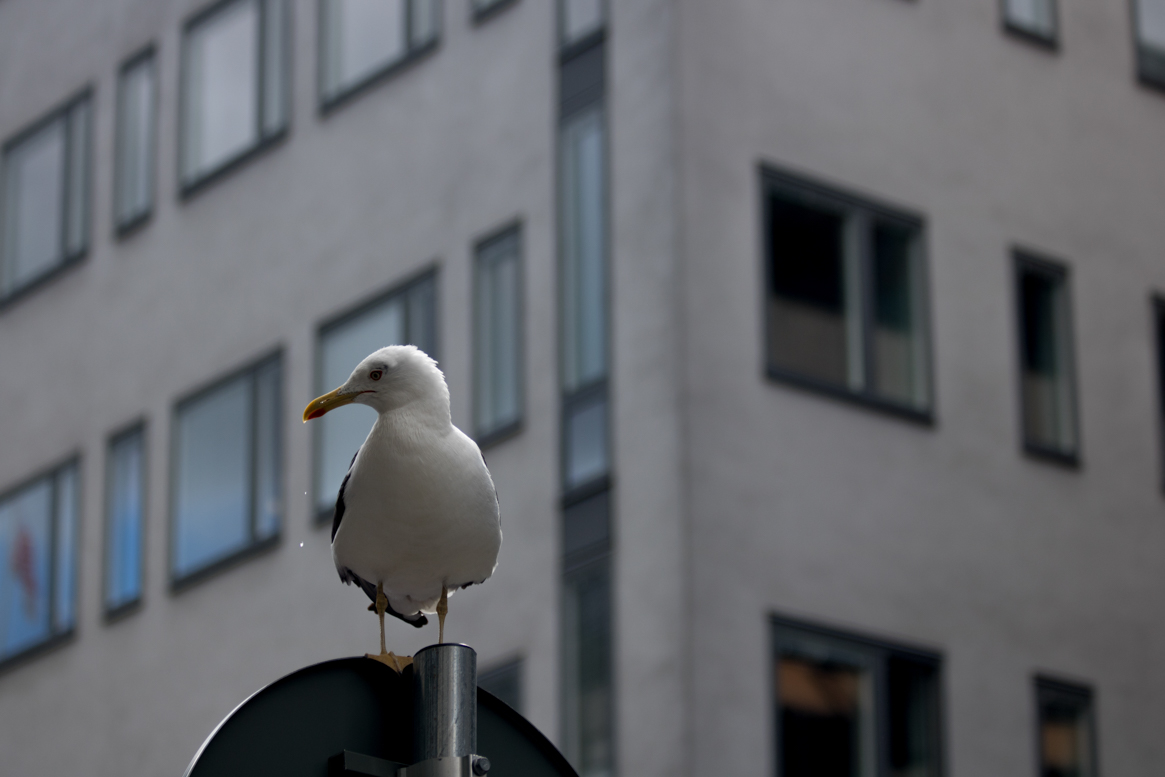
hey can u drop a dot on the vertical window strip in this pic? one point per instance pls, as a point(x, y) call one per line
point(1066, 734)
point(136, 97)
point(124, 520)
point(588, 693)
point(1149, 20)
point(1159, 327)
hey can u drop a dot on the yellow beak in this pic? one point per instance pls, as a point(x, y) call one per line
point(330, 401)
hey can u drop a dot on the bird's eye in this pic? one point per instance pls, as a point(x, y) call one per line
point(376, 374)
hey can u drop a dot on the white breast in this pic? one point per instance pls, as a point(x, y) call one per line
point(421, 512)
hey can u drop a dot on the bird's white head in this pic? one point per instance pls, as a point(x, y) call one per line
point(387, 380)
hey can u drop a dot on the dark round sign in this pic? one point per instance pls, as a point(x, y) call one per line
point(299, 724)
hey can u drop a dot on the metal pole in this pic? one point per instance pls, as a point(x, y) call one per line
point(444, 702)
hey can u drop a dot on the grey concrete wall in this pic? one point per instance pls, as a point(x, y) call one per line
point(404, 177)
point(946, 537)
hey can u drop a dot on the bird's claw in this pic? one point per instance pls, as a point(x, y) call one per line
point(392, 661)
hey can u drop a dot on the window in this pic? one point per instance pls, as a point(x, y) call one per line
point(226, 471)
point(38, 555)
point(846, 302)
point(363, 39)
point(1034, 19)
point(852, 707)
point(1149, 16)
point(46, 197)
point(498, 335)
point(1047, 384)
point(1066, 739)
point(405, 316)
point(234, 85)
point(588, 693)
point(504, 682)
point(579, 19)
point(125, 486)
point(137, 90)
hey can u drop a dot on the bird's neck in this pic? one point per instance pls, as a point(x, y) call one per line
point(418, 416)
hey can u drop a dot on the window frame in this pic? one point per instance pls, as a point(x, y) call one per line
point(774, 180)
point(124, 227)
point(880, 652)
point(1024, 261)
point(69, 259)
point(1051, 41)
point(53, 471)
point(327, 103)
point(512, 229)
point(112, 614)
point(351, 313)
point(179, 583)
point(1045, 686)
point(195, 183)
point(1157, 313)
point(1148, 60)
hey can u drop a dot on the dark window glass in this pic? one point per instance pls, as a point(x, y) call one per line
point(845, 306)
point(1066, 731)
point(404, 316)
point(504, 682)
point(1049, 422)
point(124, 519)
point(849, 707)
point(587, 688)
point(1149, 18)
point(45, 219)
point(38, 557)
point(226, 470)
point(1159, 321)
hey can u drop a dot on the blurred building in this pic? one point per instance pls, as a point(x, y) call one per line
point(812, 345)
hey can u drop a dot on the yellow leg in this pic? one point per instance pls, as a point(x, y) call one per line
point(381, 606)
point(391, 659)
point(442, 609)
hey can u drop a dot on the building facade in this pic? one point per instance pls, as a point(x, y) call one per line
point(813, 347)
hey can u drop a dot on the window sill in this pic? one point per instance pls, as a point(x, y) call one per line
point(499, 435)
point(122, 611)
point(339, 99)
point(123, 230)
point(1046, 42)
point(483, 15)
point(920, 417)
point(1051, 455)
point(586, 490)
point(37, 650)
point(188, 189)
point(181, 584)
point(41, 280)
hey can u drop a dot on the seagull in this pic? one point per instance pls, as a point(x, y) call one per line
point(417, 514)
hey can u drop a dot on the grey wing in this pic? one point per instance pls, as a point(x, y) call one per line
point(338, 514)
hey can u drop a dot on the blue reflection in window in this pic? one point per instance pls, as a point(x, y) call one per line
point(124, 517)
